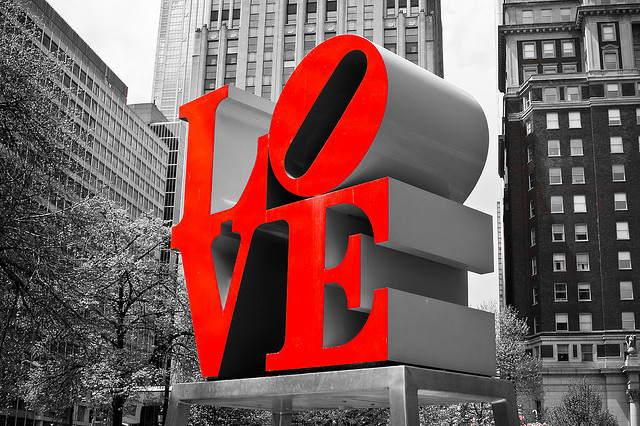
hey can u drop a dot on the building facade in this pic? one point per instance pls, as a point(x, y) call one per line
point(570, 160)
point(256, 44)
point(119, 151)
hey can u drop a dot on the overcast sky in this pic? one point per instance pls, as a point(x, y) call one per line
point(123, 33)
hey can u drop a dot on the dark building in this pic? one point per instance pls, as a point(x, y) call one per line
point(570, 159)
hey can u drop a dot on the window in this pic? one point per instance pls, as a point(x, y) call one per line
point(628, 321)
point(557, 204)
point(548, 49)
point(529, 154)
point(609, 350)
point(532, 237)
point(581, 232)
point(332, 10)
point(563, 352)
point(616, 144)
point(587, 352)
point(559, 262)
point(574, 120)
point(532, 209)
point(610, 60)
point(565, 14)
point(626, 290)
point(557, 233)
point(622, 230)
point(568, 49)
point(560, 292)
point(555, 176)
point(572, 93)
point(534, 296)
point(528, 50)
point(576, 147)
point(620, 201)
point(637, 115)
point(552, 120)
point(291, 13)
point(536, 325)
point(585, 322)
point(531, 180)
point(614, 117)
point(624, 260)
point(534, 266)
point(312, 11)
point(527, 16)
point(579, 204)
point(528, 71)
point(546, 15)
point(553, 148)
point(582, 261)
point(613, 90)
point(584, 292)
point(577, 175)
point(617, 171)
point(562, 324)
point(608, 32)
point(529, 126)
point(550, 94)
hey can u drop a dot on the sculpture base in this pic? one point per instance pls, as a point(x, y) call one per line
point(401, 388)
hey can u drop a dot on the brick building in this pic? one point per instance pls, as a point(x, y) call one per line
point(570, 158)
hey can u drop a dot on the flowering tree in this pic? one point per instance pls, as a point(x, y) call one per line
point(580, 406)
point(121, 300)
point(35, 133)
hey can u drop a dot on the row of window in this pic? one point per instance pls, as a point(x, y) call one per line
point(579, 203)
point(564, 68)
point(582, 262)
point(616, 146)
point(561, 293)
point(548, 49)
point(583, 351)
point(575, 121)
point(546, 15)
point(618, 174)
point(628, 321)
point(581, 233)
point(573, 93)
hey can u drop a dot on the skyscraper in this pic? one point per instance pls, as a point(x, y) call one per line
point(256, 44)
point(570, 157)
point(176, 31)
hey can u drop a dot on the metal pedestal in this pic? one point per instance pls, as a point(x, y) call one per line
point(401, 388)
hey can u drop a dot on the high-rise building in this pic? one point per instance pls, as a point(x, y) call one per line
point(176, 32)
point(570, 162)
point(256, 44)
point(117, 153)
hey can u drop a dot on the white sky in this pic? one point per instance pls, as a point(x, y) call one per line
point(123, 33)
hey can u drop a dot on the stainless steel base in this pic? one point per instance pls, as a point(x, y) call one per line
point(401, 388)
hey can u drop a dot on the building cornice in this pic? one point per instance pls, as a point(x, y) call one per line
point(609, 10)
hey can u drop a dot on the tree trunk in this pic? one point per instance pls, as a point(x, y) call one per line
point(117, 407)
point(167, 384)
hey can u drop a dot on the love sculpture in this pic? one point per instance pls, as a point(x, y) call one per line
point(336, 235)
